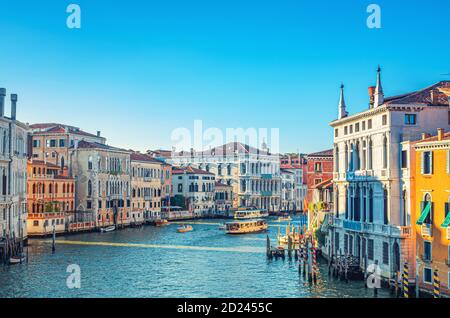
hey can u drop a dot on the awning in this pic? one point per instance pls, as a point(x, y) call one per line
point(424, 214)
point(446, 221)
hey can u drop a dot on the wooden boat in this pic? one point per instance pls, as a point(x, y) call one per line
point(16, 260)
point(284, 218)
point(245, 227)
point(161, 222)
point(108, 229)
point(248, 214)
point(184, 229)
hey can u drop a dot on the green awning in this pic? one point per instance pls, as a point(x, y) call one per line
point(424, 214)
point(446, 221)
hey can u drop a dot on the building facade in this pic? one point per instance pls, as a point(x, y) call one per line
point(103, 183)
point(223, 198)
point(253, 173)
point(298, 165)
point(288, 191)
point(50, 198)
point(146, 187)
point(319, 168)
point(371, 220)
point(13, 170)
point(197, 187)
point(431, 211)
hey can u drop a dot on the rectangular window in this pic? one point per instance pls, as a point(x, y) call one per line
point(62, 143)
point(336, 132)
point(370, 249)
point(410, 119)
point(36, 223)
point(36, 143)
point(346, 244)
point(88, 205)
point(357, 127)
point(318, 167)
point(427, 162)
point(363, 125)
point(384, 120)
point(369, 124)
point(427, 275)
point(345, 130)
point(427, 250)
point(99, 204)
point(404, 159)
point(385, 253)
point(51, 143)
point(351, 129)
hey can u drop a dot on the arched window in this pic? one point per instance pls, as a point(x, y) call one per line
point(357, 156)
point(427, 200)
point(229, 170)
point(385, 155)
point(385, 207)
point(90, 161)
point(50, 188)
point(370, 205)
point(219, 170)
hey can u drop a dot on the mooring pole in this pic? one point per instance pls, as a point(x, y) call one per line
point(53, 240)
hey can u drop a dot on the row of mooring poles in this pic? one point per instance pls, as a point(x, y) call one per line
point(308, 259)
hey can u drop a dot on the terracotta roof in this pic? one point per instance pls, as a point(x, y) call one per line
point(325, 153)
point(83, 144)
point(227, 149)
point(43, 163)
point(135, 156)
point(55, 128)
point(423, 96)
point(189, 170)
point(434, 138)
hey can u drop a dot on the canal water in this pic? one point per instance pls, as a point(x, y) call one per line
point(159, 262)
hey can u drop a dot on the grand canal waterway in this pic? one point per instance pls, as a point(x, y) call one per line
point(159, 262)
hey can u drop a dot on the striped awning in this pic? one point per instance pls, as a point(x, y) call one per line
point(424, 214)
point(446, 221)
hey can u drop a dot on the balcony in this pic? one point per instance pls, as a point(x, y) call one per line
point(427, 230)
point(380, 229)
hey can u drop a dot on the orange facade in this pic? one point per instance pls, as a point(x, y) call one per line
point(50, 197)
point(430, 209)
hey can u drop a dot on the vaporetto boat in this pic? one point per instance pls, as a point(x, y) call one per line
point(245, 227)
point(250, 214)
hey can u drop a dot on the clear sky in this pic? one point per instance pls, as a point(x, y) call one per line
point(137, 70)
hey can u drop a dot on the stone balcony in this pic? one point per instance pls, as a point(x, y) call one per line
point(372, 228)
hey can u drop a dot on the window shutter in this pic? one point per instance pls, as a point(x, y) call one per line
point(431, 162)
point(422, 162)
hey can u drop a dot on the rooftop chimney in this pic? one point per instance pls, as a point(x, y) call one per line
point(371, 91)
point(440, 134)
point(425, 136)
point(13, 106)
point(2, 101)
point(98, 133)
point(434, 94)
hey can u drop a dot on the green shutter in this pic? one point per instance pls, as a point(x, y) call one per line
point(424, 214)
point(447, 218)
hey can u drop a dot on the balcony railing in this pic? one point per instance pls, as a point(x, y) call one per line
point(389, 230)
point(427, 230)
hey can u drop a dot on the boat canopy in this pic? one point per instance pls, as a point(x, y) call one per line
point(424, 214)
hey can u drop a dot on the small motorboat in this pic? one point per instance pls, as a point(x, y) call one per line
point(108, 229)
point(184, 229)
point(161, 222)
point(16, 260)
point(284, 218)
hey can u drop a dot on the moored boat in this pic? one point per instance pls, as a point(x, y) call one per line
point(284, 218)
point(245, 227)
point(161, 222)
point(246, 214)
point(184, 229)
point(108, 229)
point(16, 260)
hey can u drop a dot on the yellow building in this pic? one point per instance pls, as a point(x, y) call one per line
point(431, 205)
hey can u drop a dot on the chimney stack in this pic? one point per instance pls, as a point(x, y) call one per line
point(13, 106)
point(440, 134)
point(425, 136)
point(98, 133)
point(434, 94)
point(2, 101)
point(371, 91)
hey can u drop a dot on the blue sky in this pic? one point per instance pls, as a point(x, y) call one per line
point(137, 70)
